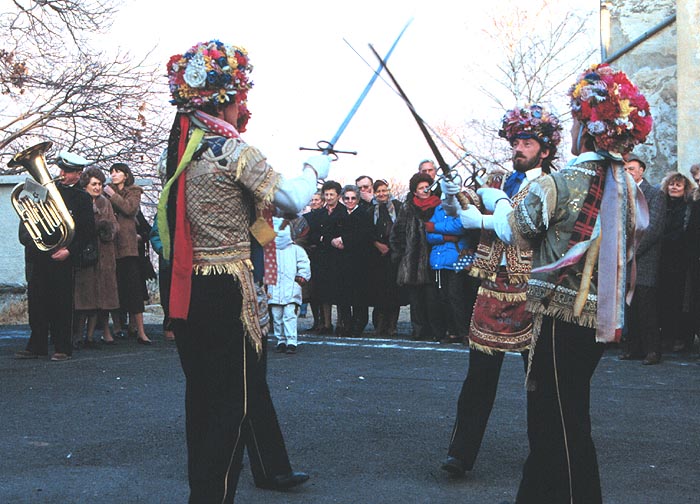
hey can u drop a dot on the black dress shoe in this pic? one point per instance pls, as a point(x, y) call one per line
point(454, 466)
point(291, 349)
point(651, 359)
point(630, 356)
point(281, 348)
point(284, 481)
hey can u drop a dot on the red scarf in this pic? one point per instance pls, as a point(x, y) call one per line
point(427, 203)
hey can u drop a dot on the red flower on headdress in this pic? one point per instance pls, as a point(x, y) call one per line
point(242, 60)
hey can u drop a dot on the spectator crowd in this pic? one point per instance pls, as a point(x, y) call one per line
point(74, 289)
point(359, 247)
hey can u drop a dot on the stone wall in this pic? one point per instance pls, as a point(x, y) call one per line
point(652, 65)
point(688, 89)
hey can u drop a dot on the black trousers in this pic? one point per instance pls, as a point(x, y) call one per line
point(352, 319)
point(644, 335)
point(50, 305)
point(457, 294)
point(164, 275)
point(427, 314)
point(227, 400)
point(562, 466)
point(475, 404)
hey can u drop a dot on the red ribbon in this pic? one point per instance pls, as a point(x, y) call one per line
point(181, 286)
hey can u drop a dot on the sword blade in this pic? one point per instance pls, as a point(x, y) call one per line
point(369, 85)
point(444, 167)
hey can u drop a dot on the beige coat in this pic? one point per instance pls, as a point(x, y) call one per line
point(126, 204)
point(96, 286)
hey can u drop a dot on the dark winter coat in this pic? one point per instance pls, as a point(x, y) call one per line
point(355, 229)
point(409, 245)
point(79, 204)
point(325, 259)
point(383, 289)
point(649, 249)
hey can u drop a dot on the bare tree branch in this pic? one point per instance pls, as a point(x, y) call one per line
point(540, 53)
point(58, 88)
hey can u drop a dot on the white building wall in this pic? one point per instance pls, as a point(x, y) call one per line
point(11, 252)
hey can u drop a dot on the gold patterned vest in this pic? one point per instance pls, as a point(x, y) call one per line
point(490, 251)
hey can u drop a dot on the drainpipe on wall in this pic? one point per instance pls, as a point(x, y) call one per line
point(605, 30)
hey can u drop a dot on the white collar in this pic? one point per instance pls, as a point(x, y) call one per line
point(533, 174)
point(585, 157)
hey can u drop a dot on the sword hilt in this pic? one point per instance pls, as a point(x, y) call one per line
point(326, 147)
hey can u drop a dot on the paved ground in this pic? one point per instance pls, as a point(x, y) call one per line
point(369, 419)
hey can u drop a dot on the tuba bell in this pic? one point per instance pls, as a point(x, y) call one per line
point(38, 202)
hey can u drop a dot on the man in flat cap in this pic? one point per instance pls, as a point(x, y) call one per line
point(50, 273)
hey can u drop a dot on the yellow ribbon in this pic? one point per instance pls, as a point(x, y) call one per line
point(162, 217)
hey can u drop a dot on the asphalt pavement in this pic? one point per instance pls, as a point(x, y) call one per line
point(368, 419)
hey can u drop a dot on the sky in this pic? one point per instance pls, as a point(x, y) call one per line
point(307, 78)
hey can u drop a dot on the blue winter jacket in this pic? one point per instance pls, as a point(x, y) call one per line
point(447, 237)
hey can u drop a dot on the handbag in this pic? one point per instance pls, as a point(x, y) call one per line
point(89, 255)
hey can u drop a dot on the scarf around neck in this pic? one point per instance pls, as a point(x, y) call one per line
point(426, 204)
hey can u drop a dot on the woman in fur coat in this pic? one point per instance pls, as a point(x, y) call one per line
point(96, 286)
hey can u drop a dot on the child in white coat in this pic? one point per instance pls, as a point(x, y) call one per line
point(284, 298)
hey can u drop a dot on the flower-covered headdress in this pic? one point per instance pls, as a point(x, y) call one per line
point(211, 72)
point(611, 107)
point(531, 122)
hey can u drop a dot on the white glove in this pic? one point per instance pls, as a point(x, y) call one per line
point(450, 187)
point(470, 218)
point(321, 164)
point(500, 221)
point(490, 196)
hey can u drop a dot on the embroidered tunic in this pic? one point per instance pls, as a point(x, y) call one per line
point(226, 187)
point(500, 322)
point(549, 213)
point(490, 250)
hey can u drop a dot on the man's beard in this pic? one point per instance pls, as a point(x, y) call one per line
point(522, 164)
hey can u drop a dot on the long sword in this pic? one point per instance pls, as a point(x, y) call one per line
point(328, 147)
point(447, 172)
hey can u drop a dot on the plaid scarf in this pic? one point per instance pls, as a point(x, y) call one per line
point(585, 222)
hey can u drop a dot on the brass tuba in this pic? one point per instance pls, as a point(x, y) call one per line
point(38, 202)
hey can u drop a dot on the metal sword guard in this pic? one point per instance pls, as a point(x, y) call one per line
point(326, 147)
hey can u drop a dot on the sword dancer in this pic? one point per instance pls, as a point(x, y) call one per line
point(499, 321)
point(214, 223)
point(581, 223)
